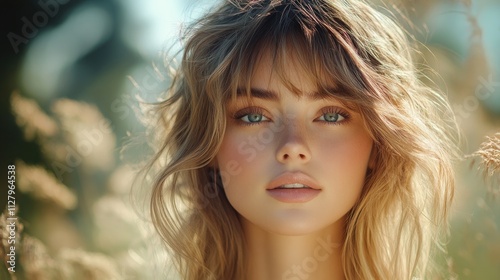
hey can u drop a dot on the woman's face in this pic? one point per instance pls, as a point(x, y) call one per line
point(292, 165)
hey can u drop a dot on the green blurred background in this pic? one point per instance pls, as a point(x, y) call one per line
point(73, 70)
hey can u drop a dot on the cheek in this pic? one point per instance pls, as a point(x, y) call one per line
point(238, 158)
point(345, 159)
point(228, 159)
point(342, 168)
point(240, 162)
point(351, 150)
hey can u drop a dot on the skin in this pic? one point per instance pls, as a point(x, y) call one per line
point(292, 133)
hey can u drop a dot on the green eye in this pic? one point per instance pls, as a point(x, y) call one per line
point(253, 118)
point(332, 117)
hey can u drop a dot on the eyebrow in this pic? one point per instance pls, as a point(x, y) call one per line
point(274, 96)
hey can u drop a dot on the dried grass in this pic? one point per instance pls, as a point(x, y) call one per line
point(30, 117)
point(488, 160)
point(77, 134)
point(34, 262)
point(87, 132)
point(42, 185)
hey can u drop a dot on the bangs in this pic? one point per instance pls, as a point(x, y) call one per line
point(289, 35)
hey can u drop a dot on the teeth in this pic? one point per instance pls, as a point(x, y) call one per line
point(293, 186)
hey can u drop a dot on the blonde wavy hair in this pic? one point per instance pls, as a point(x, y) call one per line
point(399, 220)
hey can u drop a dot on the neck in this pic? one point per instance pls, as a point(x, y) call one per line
point(272, 256)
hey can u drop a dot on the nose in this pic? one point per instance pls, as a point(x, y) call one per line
point(293, 146)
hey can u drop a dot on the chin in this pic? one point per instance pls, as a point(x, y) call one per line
point(294, 223)
point(293, 231)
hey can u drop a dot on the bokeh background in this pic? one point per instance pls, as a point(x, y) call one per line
point(73, 72)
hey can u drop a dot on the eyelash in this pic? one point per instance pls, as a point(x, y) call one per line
point(255, 110)
point(248, 111)
point(335, 110)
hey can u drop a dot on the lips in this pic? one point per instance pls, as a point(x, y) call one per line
point(293, 188)
point(291, 180)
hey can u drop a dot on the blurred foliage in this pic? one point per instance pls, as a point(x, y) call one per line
point(68, 108)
